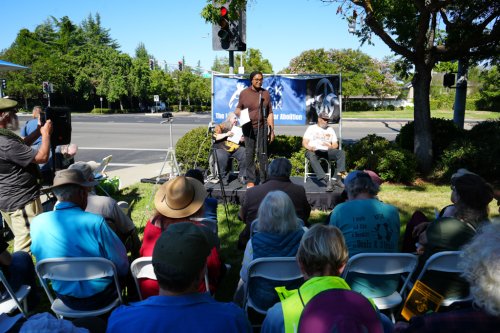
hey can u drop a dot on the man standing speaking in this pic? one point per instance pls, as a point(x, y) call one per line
point(260, 129)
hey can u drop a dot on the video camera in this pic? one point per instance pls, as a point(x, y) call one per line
point(61, 125)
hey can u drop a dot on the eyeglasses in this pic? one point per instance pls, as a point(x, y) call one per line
point(257, 80)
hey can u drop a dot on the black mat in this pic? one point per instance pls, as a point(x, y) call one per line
point(234, 192)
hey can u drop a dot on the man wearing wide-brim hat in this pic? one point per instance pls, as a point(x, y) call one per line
point(69, 231)
point(19, 173)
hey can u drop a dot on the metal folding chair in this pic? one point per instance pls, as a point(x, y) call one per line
point(9, 304)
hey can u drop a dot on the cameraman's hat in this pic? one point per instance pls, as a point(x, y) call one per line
point(7, 104)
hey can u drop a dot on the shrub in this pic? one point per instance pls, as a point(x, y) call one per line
point(285, 146)
point(378, 154)
point(193, 149)
point(443, 133)
point(477, 151)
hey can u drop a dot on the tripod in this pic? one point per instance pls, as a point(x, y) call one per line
point(213, 154)
point(174, 166)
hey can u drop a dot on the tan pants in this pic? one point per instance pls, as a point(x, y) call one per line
point(19, 222)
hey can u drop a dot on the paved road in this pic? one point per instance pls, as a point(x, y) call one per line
point(142, 139)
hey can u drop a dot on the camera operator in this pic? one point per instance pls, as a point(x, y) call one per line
point(226, 148)
point(19, 174)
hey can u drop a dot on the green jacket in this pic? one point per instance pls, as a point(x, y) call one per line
point(294, 301)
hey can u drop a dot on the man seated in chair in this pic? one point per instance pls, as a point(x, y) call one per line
point(322, 256)
point(179, 261)
point(321, 142)
point(108, 208)
point(226, 148)
point(69, 231)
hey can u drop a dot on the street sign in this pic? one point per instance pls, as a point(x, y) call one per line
point(156, 98)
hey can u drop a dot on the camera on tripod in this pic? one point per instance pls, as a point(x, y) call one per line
point(167, 115)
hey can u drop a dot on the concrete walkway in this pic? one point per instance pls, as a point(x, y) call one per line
point(132, 175)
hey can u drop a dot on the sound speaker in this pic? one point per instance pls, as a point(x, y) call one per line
point(61, 125)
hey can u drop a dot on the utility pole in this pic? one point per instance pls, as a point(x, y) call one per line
point(460, 93)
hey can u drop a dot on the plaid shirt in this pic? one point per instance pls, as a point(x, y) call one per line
point(458, 321)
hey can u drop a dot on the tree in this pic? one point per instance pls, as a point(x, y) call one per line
point(361, 75)
point(252, 61)
point(424, 32)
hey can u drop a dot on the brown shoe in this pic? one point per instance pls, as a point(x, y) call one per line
point(250, 184)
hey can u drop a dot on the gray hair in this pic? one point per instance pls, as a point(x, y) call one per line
point(66, 192)
point(279, 167)
point(481, 268)
point(362, 183)
point(227, 123)
point(322, 247)
point(277, 214)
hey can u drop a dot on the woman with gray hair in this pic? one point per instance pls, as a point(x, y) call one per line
point(277, 233)
point(481, 269)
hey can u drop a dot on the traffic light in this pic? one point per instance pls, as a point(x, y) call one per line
point(45, 87)
point(229, 33)
point(448, 80)
point(4, 84)
point(180, 65)
point(151, 64)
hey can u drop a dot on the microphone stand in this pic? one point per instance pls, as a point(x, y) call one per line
point(262, 140)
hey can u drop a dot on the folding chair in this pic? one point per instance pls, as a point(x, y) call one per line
point(446, 261)
point(142, 268)
point(99, 171)
point(7, 305)
point(77, 270)
point(308, 173)
point(282, 269)
point(384, 264)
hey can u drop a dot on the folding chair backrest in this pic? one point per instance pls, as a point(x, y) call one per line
point(142, 268)
point(99, 171)
point(16, 297)
point(381, 264)
point(446, 261)
point(279, 269)
point(76, 269)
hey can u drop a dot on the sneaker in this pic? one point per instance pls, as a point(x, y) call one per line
point(329, 186)
point(250, 185)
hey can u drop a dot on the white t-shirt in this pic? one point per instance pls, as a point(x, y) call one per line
point(320, 138)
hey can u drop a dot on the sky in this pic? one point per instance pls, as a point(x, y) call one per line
point(171, 30)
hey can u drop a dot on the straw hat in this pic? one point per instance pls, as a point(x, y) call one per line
point(180, 197)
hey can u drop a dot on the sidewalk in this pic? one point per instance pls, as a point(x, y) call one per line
point(132, 175)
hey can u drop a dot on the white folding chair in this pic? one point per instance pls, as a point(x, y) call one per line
point(77, 270)
point(384, 264)
point(99, 171)
point(15, 298)
point(308, 173)
point(283, 269)
point(142, 268)
point(446, 261)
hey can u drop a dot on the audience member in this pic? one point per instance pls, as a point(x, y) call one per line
point(179, 261)
point(210, 204)
point(277, 233)
point(32, 125)
point(20, 190)
point(18, 269)
point(481, 266)
point(278, 173)
point(419, 222)
point(320, 141)
point(322, 256)
point(473, 194)
point(69, 231)
point(226, 148)
point(108, 208)
point(369, 226)
point(179, 200)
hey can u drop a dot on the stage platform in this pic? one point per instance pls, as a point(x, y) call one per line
point(235, 192)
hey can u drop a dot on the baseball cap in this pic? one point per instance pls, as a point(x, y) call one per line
point(358, 173)
point(324, 115)
point(184, 246)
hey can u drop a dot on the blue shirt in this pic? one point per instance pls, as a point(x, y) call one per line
point(31, 126)
point(68, 231)
point(369, 226)
point(197, 312)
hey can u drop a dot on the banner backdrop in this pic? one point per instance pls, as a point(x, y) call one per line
point(295, 100)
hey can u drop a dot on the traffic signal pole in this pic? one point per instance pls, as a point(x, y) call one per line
point(231, 62)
